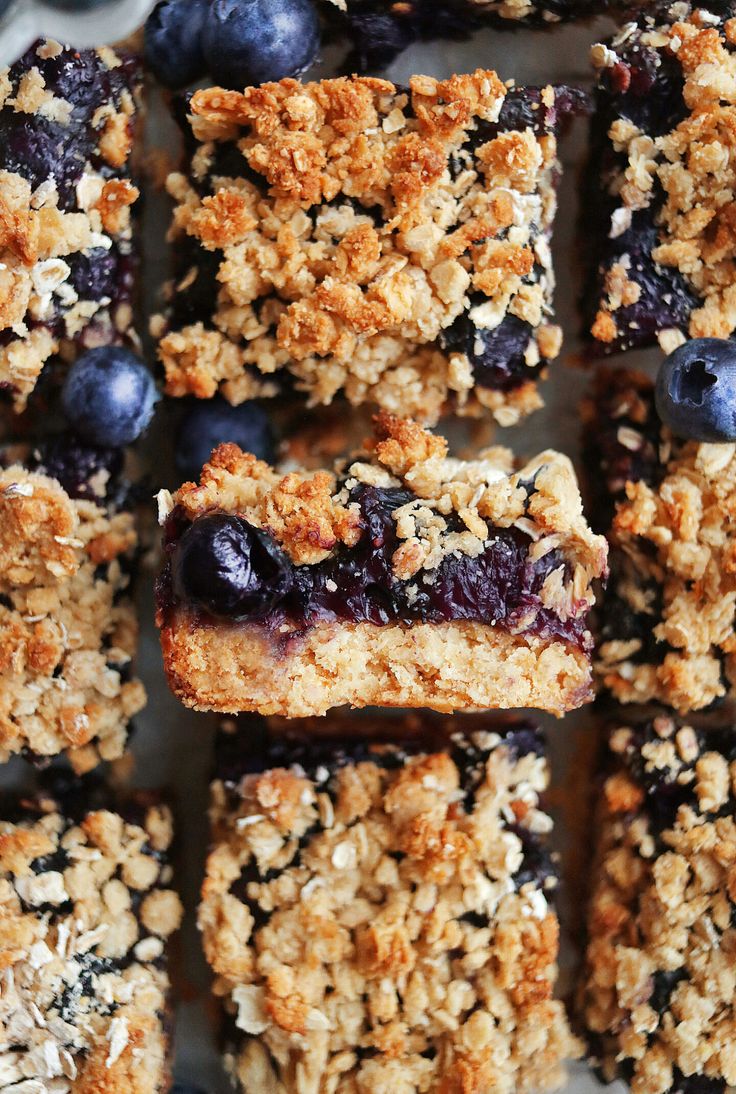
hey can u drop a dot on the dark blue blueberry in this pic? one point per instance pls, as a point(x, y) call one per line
point(229, 568)
point(108, 396)
point(256, 41)
point(173, 47)
point(696, 390)
point(498, 356)
point(215, 422)
point(4, 5)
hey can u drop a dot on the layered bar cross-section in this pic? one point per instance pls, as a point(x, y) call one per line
point(658, 992)
point(669, 611)
point(349, 236)
point(68, 269)
point(405, 577)
point(87, 909)
point(379, 914)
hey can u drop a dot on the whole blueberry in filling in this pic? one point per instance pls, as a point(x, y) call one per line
point(229, 568)
point(225, 566)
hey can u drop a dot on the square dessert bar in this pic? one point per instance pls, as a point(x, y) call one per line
point(662, 207)
point(669, 612)
point(86, 911)
point(404, 578)
point(68, 629)
point(380, 29)
point(658, 991)
point(388, 243)
point(67, 262)
point(378, 914)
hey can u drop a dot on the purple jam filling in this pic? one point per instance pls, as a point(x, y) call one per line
point(226, 569)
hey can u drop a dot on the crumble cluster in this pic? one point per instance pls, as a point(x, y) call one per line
point(86, 910)
point(669, 90)
point(670, 610)
point(658, 993)
point(338, 229)
point(310, 514)
point(68, 628)
point(67, 122)
point(381, 919)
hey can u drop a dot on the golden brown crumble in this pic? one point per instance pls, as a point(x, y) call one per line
point(40, 239)
point(84, 1005)
point(369, 233)
point(309, 513)
point(686, 174)
point(67, 630)
point(376, 874)
point(657, 992)
point(674, 567)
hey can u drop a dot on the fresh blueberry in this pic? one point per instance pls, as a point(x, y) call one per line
point(108, 396)
point(255, 41)
point(230, 568)
point(4, 5)
point(173, 47)
point(214, 422)
point(696, 390)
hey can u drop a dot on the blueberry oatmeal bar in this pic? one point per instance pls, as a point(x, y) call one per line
point(658, 995)
point(352, 236)
point(68, 628)
point(670, 607)
point(663, 202)
point(87, 909)
point(379, 914)
point(403, 578)
point(67, 261)
point(380, 29)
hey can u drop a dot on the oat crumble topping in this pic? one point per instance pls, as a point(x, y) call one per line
point(658, 993)
point(668, 89)
point(67, 261)
point(86, 909)
point(373, 920)
point(68, 628)
point(339, 229)
point(670, 610)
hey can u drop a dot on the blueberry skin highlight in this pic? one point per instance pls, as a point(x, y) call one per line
point(695, 392)
point(173, 41)
point(108, 396)
point(229, 568)
point(256, 41)
point(214, 421)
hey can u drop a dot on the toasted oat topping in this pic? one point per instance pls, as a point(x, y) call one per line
point(310, 513)
point(68, 628)
point(670, 612)
point(66, 253)
point(680, 176)
point(384, 920)
point(338, 229)
point(658, 994)
point(85, 911)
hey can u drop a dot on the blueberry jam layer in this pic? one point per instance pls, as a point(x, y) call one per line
point(225, 568)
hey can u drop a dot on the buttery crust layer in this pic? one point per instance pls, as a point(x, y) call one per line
point(445, 666)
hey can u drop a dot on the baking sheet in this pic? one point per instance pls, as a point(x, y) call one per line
point(172, 746)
